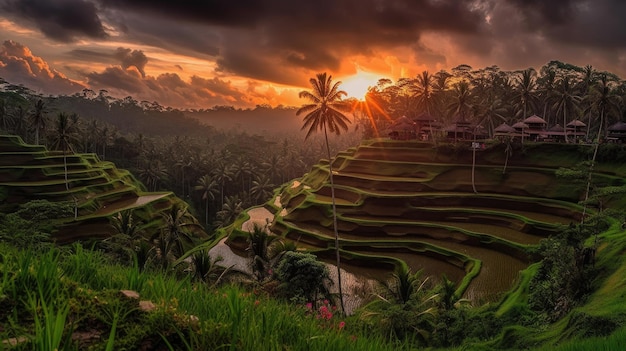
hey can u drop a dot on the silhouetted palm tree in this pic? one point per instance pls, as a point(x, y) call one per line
point(566, 102)
point(64, 137)
point(463, 100)
point(526, 91)
point(262, 188)
point(230, 210)
point(325, 112)
point(170, 240)
point(208, 186)
point(38, 119)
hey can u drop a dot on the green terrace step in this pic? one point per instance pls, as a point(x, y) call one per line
point(98, 188)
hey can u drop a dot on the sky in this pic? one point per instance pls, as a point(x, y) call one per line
point(243, 53)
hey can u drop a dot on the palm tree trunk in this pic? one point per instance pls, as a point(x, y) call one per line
point(593, 161)
point(474, 164)
point(334, 207)
point(67, 186)
point(206, 220)
point(565, 125)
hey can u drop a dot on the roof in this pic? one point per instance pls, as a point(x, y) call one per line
point(576, 123)
point(534, 119)
point(618, 127)
point(520, 125)
point(556, 128)
point(424, 117)
point(504, 128)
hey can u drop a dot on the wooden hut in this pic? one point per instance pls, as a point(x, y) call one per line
point(402, 128)
point(576, 129)
point(617, 133)
point(536, 126)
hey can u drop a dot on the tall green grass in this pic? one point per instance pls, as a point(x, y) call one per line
point(614, 342)
point(63, 291)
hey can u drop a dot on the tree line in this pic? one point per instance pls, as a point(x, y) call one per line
point(558, 92)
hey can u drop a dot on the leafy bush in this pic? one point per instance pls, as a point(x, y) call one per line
point(33, 223)
point(303, 278)
point(565, 274)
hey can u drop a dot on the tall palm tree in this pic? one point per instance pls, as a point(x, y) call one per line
point(65, 135)
point(425, 97)
point(604, 100)
point(128, 234)
point(326, 112)
point(230, 210)
point(170, 240)
point(222, 173)
point(547, 84)
point(208, 186)
point(152, 173)
point(463, 100)
point(4, 115)
point(526, 91)
point(38, 119)
point(566, 102)
point(262, 188)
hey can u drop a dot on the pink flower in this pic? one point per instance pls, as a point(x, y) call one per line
point(309, 306)
point(325, 302)
point(342, 324)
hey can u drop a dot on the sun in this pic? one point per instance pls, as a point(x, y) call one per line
point(357, 84)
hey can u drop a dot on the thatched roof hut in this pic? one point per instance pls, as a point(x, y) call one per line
point(504, 129)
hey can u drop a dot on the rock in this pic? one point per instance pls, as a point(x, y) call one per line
point(146, 306)
point(130, 294)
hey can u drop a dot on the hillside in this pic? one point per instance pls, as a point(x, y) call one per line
point(97, 189)
point(409, 202)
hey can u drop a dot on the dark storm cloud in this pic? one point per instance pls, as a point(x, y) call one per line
point(259, 38)
point(132, 58)
point(598, 23)
point(61, 20)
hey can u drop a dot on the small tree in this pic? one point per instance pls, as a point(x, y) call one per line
point(303, 278)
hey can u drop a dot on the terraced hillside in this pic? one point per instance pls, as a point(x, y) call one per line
point(97, 188)
point(413, 202)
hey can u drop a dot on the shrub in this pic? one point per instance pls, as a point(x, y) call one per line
point(303, 278)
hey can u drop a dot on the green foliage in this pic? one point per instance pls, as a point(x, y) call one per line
point(565, 275)
point(303, 278)
point(33, 223)
point(404, 309)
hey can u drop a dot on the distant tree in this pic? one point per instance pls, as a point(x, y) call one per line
point(38, 118)
point(222, 173)
point(65, 134)
point(326, 112)
point(208, 187)
point(547, 86)
point(152, 174)
point(230, 210)
point(462, 103)
point(526, 91)
point(5, 116)
point(262, 188)
point(170, 240)
point(566, 102)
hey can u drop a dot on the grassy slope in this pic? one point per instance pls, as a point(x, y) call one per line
point(98, 188)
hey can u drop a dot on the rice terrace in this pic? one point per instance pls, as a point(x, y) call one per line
point(405, 201)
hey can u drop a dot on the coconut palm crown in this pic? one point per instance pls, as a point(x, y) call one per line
point(326, 107)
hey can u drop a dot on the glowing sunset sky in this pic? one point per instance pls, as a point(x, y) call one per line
point(197, 54)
